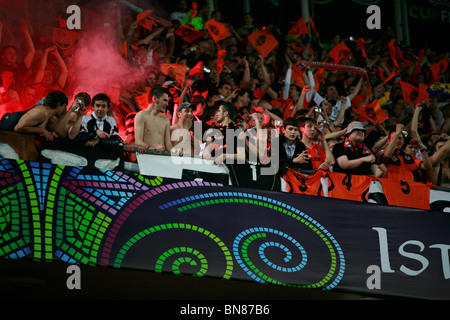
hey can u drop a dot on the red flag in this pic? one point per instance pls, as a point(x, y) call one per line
point(188, 33)
point(217, 30)
point(263, 41)
point(220, 60)
point(340, 53)
point(372, 112)
point(300, 27)
point(174, 71)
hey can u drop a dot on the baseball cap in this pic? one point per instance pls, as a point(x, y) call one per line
point(186, 105)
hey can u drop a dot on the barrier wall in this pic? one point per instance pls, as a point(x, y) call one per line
point(80, 215)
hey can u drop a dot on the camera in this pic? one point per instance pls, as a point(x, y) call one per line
point(318, 109)
point(278, 123)
point(80, 102)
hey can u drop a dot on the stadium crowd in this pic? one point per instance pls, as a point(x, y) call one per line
point(358, 106)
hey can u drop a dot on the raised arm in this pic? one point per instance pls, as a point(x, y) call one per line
point(31, 51)
point(426, 163)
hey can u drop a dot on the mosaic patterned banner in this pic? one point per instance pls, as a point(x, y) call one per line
point(193, 228)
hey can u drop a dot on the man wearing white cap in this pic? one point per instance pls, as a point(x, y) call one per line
point(353, 157)
point(181, 132)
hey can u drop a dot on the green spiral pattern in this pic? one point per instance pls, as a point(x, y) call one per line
point(177, 263)
point(174, 226)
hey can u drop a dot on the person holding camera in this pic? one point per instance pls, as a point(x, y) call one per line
point(68, 124)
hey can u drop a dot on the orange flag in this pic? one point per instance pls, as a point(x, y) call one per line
point(263, 41)
point(393, 52)
point(319, 77)
point(439, 68)
point(125, 49)
point(65, 39)
point(313, 26)
point(414, 95)
point(144, 21)
point(188, 33)
point(300, 27)
point(197, 69)
point(340, 53)
point(220, 60)
point(297, 76)
point(372, 112)
point(217, 30)
point(175, 71)
point(362, 45)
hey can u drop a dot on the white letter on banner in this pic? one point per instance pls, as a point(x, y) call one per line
point(384, 250)
point(445, 260)
point(74, 21)
point(415, 256)
point(74, 281)
point(374, 21)
point(374, 281)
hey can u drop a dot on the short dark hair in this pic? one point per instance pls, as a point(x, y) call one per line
point(291, 122)
point(55, 98)
point(230, 107)
point(85, 97)
point(302, 121)
point(198, 98)
point(158, 91)
point(101, 97)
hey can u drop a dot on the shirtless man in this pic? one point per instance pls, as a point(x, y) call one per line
point(69, 123)
point(35, 120)
point(439, 174)
point(151, 126)
point(180, 132)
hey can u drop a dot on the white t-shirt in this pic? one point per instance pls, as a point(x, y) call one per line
point(318, 99)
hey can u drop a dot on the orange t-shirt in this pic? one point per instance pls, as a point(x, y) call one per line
point(401, 167)
point(317, 154)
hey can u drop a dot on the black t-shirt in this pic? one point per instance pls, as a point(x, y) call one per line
point(352, 153)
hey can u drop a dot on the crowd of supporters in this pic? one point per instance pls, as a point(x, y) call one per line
point(359, 106)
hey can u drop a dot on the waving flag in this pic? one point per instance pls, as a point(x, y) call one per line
point(263, 41)
point(340, 53)
point(217, 30)
point(372, 112)
point(188, 34)
point(300, 27)
point(175, 71)
point(414, 95)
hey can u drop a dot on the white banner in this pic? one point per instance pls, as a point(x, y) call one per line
point(173, 166)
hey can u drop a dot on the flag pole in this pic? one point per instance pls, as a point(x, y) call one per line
point(305, 10)
point(401, 21)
